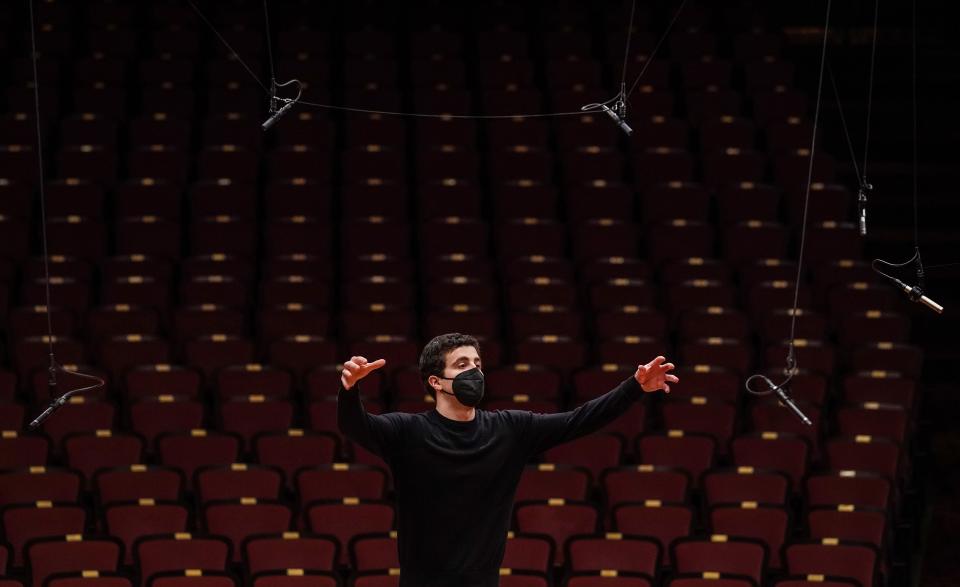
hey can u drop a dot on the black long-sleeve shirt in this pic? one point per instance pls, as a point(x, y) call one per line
point(455, 481)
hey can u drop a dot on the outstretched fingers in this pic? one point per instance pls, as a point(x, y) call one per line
point(357, 367)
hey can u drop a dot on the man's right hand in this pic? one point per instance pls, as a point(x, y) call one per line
point(356, 369)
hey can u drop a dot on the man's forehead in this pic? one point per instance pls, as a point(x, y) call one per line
point(463, 352)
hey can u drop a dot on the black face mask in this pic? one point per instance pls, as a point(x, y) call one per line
point(467, 387)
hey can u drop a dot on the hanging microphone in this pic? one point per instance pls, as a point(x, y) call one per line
point(916, 295)
point(46, 414)
point(276, 115)
point(862, 206)
point(60, 401)
point(617, 119)
point(275, 112)
point(785, 399)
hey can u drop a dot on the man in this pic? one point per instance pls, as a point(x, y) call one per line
point(456, 468)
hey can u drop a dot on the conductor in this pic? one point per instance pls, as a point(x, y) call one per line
point(456, 467)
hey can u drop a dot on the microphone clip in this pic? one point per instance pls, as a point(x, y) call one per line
point(275, 110)
point(778, 390)
point(274, 101)
point(615, 116)
point(58, 402)
point(862, 192)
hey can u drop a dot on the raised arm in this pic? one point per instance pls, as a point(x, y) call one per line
point(544, 431)
point(380, 434)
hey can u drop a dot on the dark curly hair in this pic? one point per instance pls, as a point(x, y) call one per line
point(434, 356)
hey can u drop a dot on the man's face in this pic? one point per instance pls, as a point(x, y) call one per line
point(461, 359)
point(457, 361)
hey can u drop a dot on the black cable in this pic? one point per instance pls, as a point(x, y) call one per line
point(43, 210)
point(791, 368)
point(227, 45)
point(916, 258)
point(443, 116)
point(626, 47)
point(621, 106)
point(806, 200)
point(273, 74)
point(873, 63)
point(656, 48)
point(319, 105)
point(266, 26)
point(916, 147)
point(865, 187)
point(54, 366)
point(619, 112)
point(846, 131)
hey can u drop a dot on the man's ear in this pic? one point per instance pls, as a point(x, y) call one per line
point(434, 382)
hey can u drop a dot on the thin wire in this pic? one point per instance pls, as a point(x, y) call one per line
point(806, 201)
point(791, 367)
point(266, 26)
point(227, 45)
point(873, 61)
point(873, 265)
point(443, 116)
point(846, 131)
point(915, 259)
point(369, 110)
point(417, 114)
point(626, 48)
point(54, 366)
point(656, 48)
point(43, 210)
point(916, 232)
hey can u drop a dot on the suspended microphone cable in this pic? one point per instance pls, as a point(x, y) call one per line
point(227, 45)
point(873, 68)
point(663, 37)
point(273, 74)
point(619, 112)
point(43, 203)
point(53, 367)
point(626, 51)
point(916, 148)
point(864, 187)
point(843, 124)
point(915, 293)
point(266, 27)
point(443, 116)
point(792, 366)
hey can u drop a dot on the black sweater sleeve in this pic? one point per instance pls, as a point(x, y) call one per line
point(380, 434)
point(544, 431)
